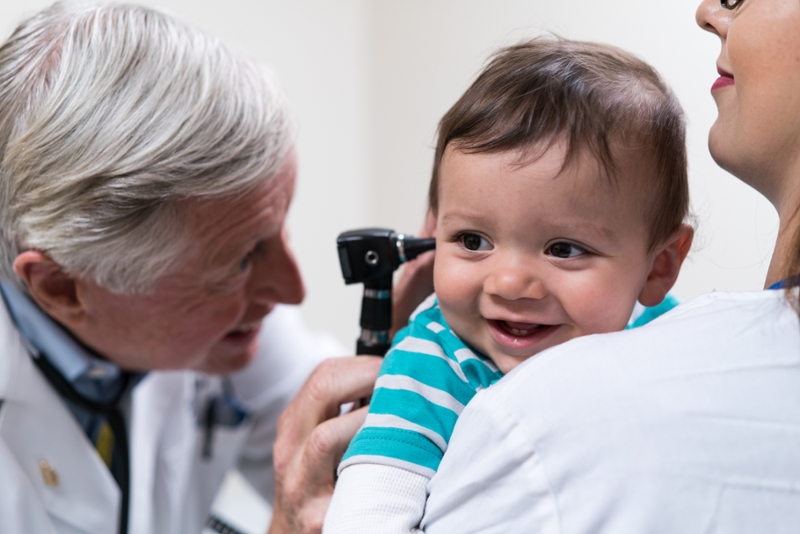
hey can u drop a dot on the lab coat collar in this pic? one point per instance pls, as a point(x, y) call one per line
point(96, 379)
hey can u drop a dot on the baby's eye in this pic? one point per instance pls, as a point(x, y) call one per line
point(563, 249)
point(474, 242)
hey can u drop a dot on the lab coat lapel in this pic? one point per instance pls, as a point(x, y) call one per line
point(147, 415)
point(71, 479)
point(162, 449)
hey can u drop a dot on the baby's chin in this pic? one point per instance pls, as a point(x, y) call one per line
point(507, 363)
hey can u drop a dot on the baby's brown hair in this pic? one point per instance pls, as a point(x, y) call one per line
point(595, 97)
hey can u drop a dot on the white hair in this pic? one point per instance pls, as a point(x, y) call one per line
point(110, 114)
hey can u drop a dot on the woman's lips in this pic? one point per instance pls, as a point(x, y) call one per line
point(725, 79)
point(517, 335)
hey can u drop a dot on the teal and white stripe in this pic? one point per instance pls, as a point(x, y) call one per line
point(426, 381)
point(432, 395)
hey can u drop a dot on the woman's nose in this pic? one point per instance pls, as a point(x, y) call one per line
point(515, 281)
point(276, 277)
point(712, 17)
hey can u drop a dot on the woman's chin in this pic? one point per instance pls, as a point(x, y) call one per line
point(723, 149)
point(719, 142)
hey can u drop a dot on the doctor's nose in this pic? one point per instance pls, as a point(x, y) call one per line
point(276, 276)
point(515, 281)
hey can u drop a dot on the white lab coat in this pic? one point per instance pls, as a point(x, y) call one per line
point(172, 485)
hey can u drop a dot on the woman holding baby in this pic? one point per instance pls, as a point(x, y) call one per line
point(691, 423)
point(688, 424)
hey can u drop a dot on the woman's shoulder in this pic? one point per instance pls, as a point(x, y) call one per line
point(634, 425)
point(714, 312)
point(738, 302)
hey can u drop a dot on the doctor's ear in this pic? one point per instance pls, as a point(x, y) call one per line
point(666, 265)
point(54, 290)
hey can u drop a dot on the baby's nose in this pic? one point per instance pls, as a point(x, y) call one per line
point(516, 281)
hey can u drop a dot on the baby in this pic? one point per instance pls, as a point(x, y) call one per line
point(560, 192)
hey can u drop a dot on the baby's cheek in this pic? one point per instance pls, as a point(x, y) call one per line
point(605, 311)
point(448, 283)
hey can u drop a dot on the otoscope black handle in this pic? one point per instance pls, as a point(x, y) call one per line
point(370, 256)
point(376, 317)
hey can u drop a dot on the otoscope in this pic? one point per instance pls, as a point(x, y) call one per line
point(370, 256)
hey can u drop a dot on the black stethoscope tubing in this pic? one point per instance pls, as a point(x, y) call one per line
point(113, 416)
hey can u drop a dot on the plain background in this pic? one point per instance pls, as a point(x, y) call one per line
point(368, 81)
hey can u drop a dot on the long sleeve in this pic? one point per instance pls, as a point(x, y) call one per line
point(372, 498)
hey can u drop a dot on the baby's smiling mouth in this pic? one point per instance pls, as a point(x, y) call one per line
point(517, 329)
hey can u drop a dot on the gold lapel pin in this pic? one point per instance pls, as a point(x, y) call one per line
point(49, 475)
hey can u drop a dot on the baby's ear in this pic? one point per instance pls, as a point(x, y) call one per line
point(666, 265)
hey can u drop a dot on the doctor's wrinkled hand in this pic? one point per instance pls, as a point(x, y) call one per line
point(312, 439)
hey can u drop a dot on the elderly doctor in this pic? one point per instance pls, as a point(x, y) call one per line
point(145, 349)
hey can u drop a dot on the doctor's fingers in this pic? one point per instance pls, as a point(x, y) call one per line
point(326, 445)
point(414, 286)
point(415, 282)
point(311, 440)
point(334, 382)
point(305, 478)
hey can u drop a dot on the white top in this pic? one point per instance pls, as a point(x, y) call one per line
point(52, 481)
point(688, 424)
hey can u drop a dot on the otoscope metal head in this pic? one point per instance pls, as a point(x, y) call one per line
point(370, 256)
point(373, 253)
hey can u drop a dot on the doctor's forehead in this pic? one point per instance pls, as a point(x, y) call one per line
point(222, 228)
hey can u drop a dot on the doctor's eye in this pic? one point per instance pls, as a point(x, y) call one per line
point(474, 242)
point(245, 263)
point(564, 249)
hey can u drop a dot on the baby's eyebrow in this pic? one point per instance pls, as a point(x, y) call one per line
point(460, 217)
point(598, 229)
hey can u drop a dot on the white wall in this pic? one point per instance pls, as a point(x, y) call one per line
point(369, 80)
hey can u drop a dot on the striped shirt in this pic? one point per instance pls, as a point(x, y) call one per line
point(426, 380)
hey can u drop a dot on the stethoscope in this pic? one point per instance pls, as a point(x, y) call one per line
point(112, 414)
